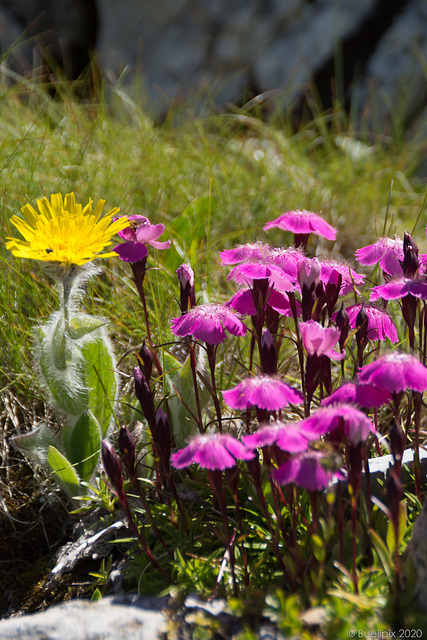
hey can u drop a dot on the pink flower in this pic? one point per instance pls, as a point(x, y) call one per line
point(258, 261)
point(291, 437)
point(243, 252)
point(242, 302)
point(355, 424)
point(380, 324)
point(331, 270)
point(400, 288)
point(208, 322)
point(139, 233)
point(395, 372)
point(309, 470)
point(264, 392)
point(303, 223)
point(212, 451)
point(365, 395)
point(385, 251)
point(319, 340)
point(264, 269)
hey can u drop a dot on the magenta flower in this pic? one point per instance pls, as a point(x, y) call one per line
point(385, 251)
point(246, 272)
point(355, 424)
point(319, 340)
point(208, 322)
point(139, 233)
point(291, 437)
point(242, 302)
point(286, 259)
point(243, 252)
point(395, 372)
point(365, 395)
point(400, 288)
point(264, 392)
point(332, 272)
point(303, 223)
point(309, 470)
point(212, 451)
point(380, 324)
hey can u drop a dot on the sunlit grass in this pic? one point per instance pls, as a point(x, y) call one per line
point(229, 173)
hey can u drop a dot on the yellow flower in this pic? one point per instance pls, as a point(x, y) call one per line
point(64, 232)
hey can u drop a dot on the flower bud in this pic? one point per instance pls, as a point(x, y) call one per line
point(410, 264)
point(112, 467)
point(342, 321)
point(268, 355)
point(362, 327)
point(145, 396)
point(188, 292)
point(397, 442)
point(127, 450)
point(309, 273)
point(161, 435)
point(145, 361)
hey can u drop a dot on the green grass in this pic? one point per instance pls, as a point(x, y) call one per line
point(238, 171)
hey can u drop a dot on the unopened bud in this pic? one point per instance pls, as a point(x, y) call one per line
point(127, 450)
point(342, 321)
point(410, 262)
point(268, 355)
point(144, 395)
point(112, 467)
point(145, 361)
point(161, 435)
point(188, 292)
point(362, 326)
point(309, 272)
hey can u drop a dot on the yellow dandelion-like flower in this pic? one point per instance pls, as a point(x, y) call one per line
point(64, 232)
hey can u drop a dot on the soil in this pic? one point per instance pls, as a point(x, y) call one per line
point(35, 522)
point(31, 532)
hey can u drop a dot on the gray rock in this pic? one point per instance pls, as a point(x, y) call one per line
point(229, 49)
point(112, 618)
point(40, 34)
point(127, 618)
point(398, 64)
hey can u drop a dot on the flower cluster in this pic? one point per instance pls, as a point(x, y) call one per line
point(283, 385)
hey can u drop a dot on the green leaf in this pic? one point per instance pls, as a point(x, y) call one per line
point(81, 324)
point(35, 444)
point(63, 472)
point(100, 380)
point(391, 538)
point(59, 344)
point(318, 547)
point(64, 383)
point(82, 444)
point(182, 399)
point(189, 229)
point(96, 595)
point(383, 554)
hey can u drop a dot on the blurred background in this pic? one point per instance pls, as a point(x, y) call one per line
point(366, 54)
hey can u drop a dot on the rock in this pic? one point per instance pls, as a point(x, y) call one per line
point(41, 34)
point(232, 51)
point(398, 65)
point(130, 617)
point(112, 618)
